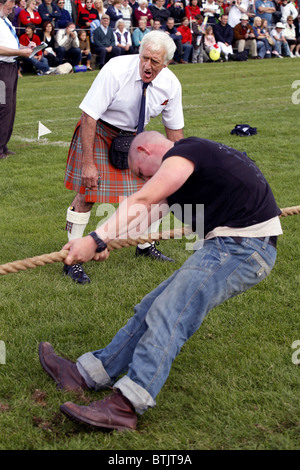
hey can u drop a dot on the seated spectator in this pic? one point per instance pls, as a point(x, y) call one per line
point(209, 39)
point(224, 36)
point(199, 56)
point(143, 11)
point(235, 11)
point(159, 12)
point(244, 36)
point(123, 38)
point(192, 10)
point(65, 16)
point(264, 49)
point(156, 25)
point(126, 11)
point(265, 9)
point(176, 9)
point(29, 15)
point(104, 42)
point(297, 31)
point(139, 33)
point(30, 39)
point(210, 9)
point(20, 5)
point(71, 8)
point(281, 45)
point(87, 15)
point(67, 45)
point(170, 29)
point(290, 36)
point(49, 11)
point(287, 9)
point(99, 6)
point(47, 36)
point(84, 45)
point(186, 35)
point(114, 12)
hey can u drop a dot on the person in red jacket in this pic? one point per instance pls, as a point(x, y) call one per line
point(186, 40)
point(192, 10)
point(87, 15)
point(29, 39)
point(29, 15)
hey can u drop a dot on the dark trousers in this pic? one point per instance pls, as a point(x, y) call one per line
point(8, 96)
point(103, 56)
point(73, 55)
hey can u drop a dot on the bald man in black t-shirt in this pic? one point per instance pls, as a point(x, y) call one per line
point(241, 225)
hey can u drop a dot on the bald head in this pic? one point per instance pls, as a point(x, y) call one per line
point(146, 153)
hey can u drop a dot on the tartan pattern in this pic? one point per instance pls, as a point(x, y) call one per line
point(69, 226)
point(114, 182)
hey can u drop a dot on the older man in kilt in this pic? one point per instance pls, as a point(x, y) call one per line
point(113, 107)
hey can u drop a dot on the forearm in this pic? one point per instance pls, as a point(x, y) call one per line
point(132, 218)
point(174, 134)
point(88, 133)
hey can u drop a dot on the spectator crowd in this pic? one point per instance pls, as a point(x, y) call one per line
point(92, 32)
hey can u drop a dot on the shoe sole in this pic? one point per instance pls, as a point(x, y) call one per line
point(73, 417)
point(45, 367)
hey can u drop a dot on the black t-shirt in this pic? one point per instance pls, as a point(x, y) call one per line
point(233, 190)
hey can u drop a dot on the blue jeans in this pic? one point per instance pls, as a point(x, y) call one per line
point(282, 48)
point(169, 315)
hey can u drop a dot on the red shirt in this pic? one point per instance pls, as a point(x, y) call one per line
point(87, 15)
point(191, 11)
point(186, 34)
point(25, 18)
point(25, 40)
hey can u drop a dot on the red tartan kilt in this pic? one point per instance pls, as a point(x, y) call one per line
point(114, 183)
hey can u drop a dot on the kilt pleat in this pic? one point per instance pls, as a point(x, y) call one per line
point(114, 183)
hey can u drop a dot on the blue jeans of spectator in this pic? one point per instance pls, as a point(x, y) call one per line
point(282, 48)
point(167, 317)
point(187, 51)
point(73, 55)
point(40, 65)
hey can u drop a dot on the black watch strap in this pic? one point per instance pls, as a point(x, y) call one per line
point(101, 245)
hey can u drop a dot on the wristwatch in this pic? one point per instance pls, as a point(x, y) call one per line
point(101, 245)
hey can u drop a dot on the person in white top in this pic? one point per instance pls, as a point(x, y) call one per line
point(9, 50)
point(123, 38)
point(235, 11)
point(110, 108)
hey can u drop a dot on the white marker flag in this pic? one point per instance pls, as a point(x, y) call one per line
point(43, 130)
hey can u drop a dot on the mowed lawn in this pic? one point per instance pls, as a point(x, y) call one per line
point(235, 384)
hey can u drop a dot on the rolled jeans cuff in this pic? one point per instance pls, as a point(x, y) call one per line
point(140, 399)
point(93, 371)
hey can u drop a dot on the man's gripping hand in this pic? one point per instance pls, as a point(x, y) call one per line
point(82, 250)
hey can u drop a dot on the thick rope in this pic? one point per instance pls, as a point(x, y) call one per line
point(59, 256)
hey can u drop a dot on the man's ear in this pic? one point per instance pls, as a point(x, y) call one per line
point(143, 150)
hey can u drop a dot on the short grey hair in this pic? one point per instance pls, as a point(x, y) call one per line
point(159, 40)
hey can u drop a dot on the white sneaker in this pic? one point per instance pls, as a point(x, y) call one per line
point(292, 55)
point(297, 54)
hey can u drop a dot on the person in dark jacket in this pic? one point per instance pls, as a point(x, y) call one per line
point(105, 44)
point(49, 11)
point(224, 36)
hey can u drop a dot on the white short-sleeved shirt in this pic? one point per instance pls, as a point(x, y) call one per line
point(7, 39)
point(115, 96)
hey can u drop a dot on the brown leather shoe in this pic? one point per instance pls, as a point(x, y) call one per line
point(114, 412)
point(63, 371)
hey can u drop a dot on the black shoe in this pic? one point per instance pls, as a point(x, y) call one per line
point(76, 273)
point(152, 252)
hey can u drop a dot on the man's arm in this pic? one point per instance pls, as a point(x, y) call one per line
point(174, 134)
point(22, 52)
point(89, 173)
point(135, 211)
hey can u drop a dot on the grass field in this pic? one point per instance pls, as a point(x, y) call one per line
point(234, 386)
